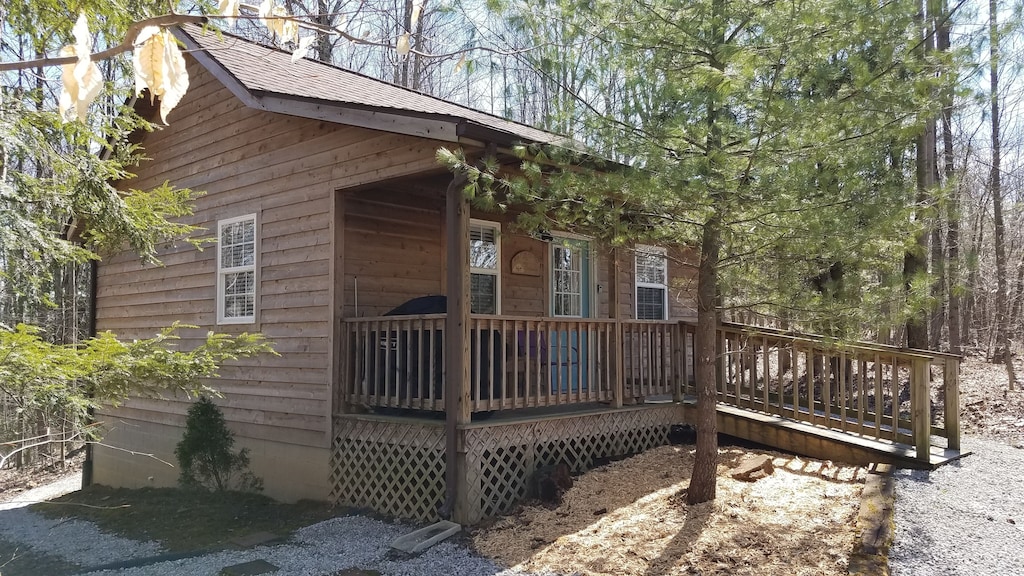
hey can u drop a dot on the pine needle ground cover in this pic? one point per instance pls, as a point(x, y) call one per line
point(631, 518)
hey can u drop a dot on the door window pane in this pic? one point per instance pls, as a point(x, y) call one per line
point(483, 291)
point(567, 278)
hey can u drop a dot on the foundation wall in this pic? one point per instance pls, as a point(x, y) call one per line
point(289, 472)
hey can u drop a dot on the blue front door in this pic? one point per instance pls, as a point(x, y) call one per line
point(570, 297)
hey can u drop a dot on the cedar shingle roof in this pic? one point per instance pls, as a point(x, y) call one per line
point(263, 73)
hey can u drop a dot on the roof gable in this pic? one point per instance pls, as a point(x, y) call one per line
point(267, 79)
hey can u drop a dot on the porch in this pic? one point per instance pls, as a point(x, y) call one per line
point(547, 390)
point(451, 413)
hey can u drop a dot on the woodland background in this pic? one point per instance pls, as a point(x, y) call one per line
point(956, 285)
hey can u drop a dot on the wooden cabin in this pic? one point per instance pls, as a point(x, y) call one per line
point(411, 326)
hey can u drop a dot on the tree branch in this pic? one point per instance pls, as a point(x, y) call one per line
point(125, 46)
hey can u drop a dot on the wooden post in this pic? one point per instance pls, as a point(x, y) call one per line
point(617, 340)
point(338, 349)
point(678, 332)
point(920, 407)
point(721, 348)
point(456, 352)
point(951, 380)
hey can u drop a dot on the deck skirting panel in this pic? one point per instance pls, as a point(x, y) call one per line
point(396, 466)
point(390, 466)
point(502, 458)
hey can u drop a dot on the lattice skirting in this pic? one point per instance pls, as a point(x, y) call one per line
point(397, 468)
point(501, 458)
point(392, 467)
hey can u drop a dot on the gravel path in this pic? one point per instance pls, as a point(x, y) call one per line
point(67, 484)
point(964, 519)
point(331, 546)
point(31, 544)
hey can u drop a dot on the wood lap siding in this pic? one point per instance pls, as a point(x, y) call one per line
point(393, 249)
point(284, 169)
point(682, 289)
point(522, 295)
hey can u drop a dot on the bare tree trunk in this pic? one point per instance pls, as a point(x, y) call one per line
point(1016, 303)
point(416, 83)
point(953, 290)
point(938, 316)
point(953, 213)
point(976, 301)
point(915, 262)
point(403, 65)
point(323, 40)
point(1003, 351)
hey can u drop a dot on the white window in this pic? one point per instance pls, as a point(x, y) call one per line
point(651, 283)
point(236, 270)
point(484, 267)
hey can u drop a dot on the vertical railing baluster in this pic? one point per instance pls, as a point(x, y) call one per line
point(766, 373)
point(826, 387)
point(862, 367)
point(879, 397)
point(842, 390)
point(404, 365)
point(381, 384)
point(476, 341)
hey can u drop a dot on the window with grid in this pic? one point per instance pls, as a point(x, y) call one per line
point(236, 270)
point(484, 267)
point(567, 278)
point(651, 283)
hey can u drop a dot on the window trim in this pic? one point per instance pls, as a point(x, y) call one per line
point(222, 271)
point(496, 271)
point(653, 250)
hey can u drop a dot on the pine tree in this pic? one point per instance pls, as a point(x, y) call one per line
point(206, 453)
point(771, 135)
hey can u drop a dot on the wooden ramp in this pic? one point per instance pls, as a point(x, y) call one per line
point(819, 442)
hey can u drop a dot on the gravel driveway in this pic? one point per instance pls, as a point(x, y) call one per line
point(966, 518)
point(39, 545)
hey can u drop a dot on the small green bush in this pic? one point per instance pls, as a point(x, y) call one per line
point(206, 453)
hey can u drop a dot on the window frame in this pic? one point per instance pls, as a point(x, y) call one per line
point(223, 271)
point(657, 251)
point(496, 271)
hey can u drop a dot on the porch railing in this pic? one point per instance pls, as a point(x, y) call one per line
point(865, 389)
point(874, 391)
point(394, 361)
point(539, 362)
point(657, 359)
point(515, 362)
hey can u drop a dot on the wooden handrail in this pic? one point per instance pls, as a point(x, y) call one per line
point(521, 362)
point(857, 344)
point(394, 318)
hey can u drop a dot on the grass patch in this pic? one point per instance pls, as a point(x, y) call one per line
point(185, 520)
